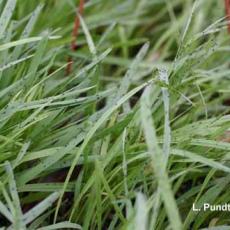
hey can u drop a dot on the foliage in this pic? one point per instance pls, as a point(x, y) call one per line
point(134, 135)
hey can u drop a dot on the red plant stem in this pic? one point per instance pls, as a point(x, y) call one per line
point(75, 35)
point(227, 9)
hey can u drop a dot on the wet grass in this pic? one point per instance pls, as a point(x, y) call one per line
point(129, 135)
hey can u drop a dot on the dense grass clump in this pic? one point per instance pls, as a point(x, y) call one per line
point(119, 123)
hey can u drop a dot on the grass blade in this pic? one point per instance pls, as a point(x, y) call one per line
point(158, 162)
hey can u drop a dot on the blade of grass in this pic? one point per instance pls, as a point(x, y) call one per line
point(6, 16)
point(158, 162)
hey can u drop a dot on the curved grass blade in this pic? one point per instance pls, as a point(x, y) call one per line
point(158, 162)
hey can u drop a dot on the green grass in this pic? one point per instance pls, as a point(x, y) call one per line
point(134, 135)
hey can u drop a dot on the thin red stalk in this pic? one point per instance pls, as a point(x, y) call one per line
point(75, 35)
point(227, 9)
